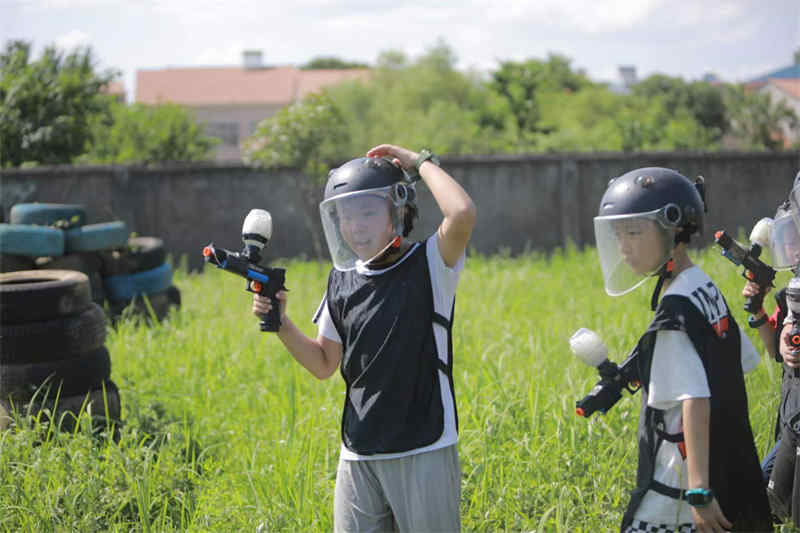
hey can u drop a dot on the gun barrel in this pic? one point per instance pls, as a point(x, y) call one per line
point(794, 336)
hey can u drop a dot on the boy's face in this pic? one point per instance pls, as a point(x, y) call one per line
point(641, 243)
point(365, 224)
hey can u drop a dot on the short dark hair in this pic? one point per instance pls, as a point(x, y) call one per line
point(408, 218)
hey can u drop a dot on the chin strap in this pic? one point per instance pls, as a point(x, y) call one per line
point(664, 273)
point(388, 250)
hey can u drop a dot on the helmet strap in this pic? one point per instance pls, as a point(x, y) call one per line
point(664, 273)
point(388, 250)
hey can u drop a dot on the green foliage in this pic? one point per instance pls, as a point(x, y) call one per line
point(702, 101)
point(757, 121)
point(425, 102)
point(595, 119)
point(147, 134)
point(307, 135)
point(331, 62)
point(46, 105)
point(223, 430)
point(521, 82)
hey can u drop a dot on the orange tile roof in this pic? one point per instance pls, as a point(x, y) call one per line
point(790, 86)
point(314, 80)
point(235, 85)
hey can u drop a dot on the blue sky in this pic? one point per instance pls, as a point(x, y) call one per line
point(736, 39)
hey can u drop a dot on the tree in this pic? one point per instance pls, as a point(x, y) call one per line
point(702, 100)
point(331, 62)
point(521, 83)
point(147, 134)
point(308, 135)
point(424, 102)
point(46, 105)
point(758, 121)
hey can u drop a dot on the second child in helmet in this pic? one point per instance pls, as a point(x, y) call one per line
point(698, 469)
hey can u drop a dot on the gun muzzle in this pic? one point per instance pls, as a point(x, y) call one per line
point(794, 336)
point(602, 397)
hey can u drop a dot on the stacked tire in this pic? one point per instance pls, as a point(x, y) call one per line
point(53, 359)
point(121, 270)
point(139, 278)
point(56, 236)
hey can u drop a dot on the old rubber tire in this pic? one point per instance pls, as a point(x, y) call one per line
point(35, 295)
point(86, 262)
point(33, 241)
point(14, 263)
point(103, 403)
point(61, 215)
point(93, 237)
point(77, 375)
point(147, 252)
point(126, 286)
point(141, 253)
point(60, 336)
point(174, 296)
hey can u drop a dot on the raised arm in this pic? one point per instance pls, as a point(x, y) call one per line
point(457, 207)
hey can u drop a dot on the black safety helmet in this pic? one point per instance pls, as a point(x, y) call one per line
point(366, 176)
point(649, 189)
point(363, 174)
point(367, 173)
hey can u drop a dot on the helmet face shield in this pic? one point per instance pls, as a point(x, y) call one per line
point(784, 243)
point(633, 247)
point(358, 225)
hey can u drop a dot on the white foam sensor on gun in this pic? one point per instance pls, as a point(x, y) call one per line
point(257, 228)
point(588, 347)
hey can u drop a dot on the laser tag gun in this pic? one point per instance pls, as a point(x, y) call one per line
point(589, 348)
point(755, 270)
point(793, 302)
point(265, 281)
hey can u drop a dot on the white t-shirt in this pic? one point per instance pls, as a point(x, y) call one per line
point(677, 374)
point(444, 281)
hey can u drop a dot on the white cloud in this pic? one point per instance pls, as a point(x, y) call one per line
point(41, 5)
point(72, 39)
point(227, 55)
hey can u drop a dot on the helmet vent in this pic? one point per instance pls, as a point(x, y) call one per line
point(645, 181)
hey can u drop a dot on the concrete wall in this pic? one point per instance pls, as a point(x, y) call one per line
point(524, 202)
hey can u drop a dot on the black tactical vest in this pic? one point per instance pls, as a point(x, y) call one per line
point(389, 359)
point(735, 473)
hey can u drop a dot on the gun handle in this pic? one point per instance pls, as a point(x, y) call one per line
point(271, 321)
point(753, 304)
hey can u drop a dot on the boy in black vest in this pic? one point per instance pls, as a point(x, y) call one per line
point(698, 469)
point(386, 320)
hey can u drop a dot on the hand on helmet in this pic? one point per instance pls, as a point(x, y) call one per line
point(403, 157)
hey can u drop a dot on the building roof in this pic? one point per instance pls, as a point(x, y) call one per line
point(792, 71)
point(235, 85)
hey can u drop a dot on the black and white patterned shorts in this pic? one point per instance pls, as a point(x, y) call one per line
point(639, 526)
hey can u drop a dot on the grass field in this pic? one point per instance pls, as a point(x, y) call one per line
point(224, 431)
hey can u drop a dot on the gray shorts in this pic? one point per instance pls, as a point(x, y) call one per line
point(419, 493)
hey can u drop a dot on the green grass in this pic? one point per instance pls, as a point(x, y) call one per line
point(223, 430)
